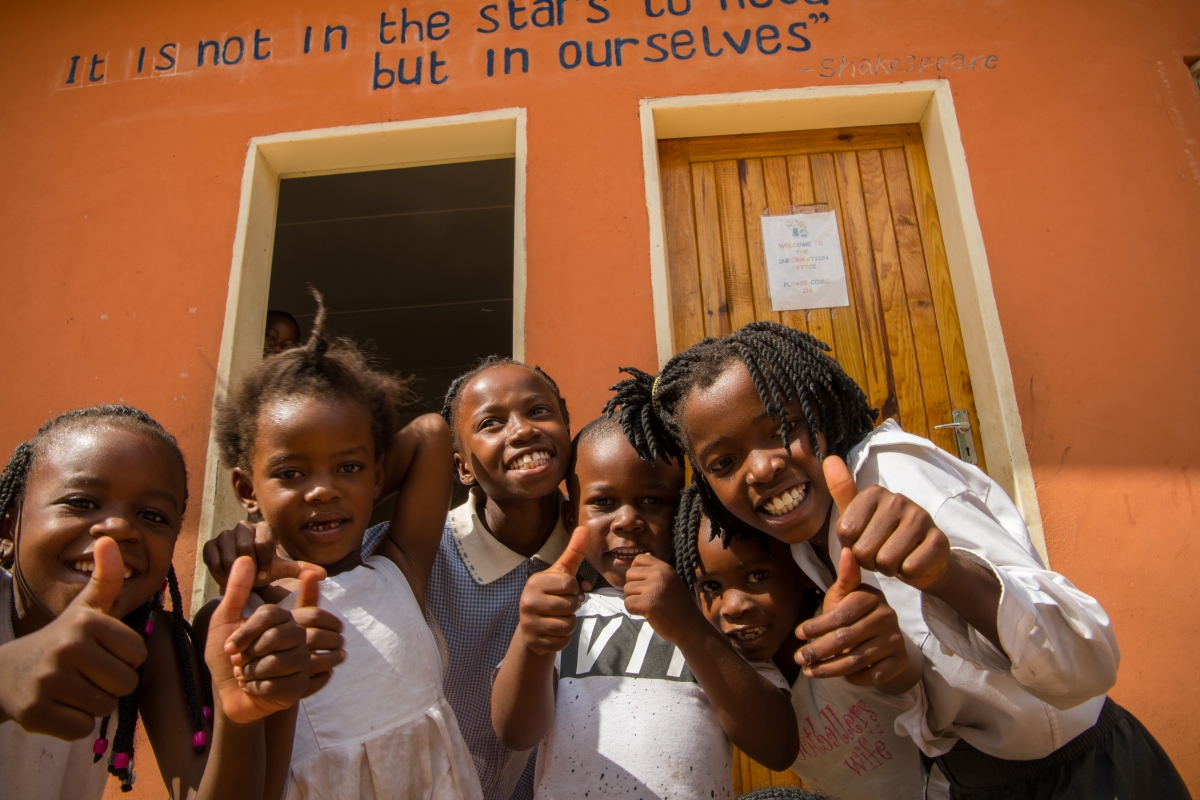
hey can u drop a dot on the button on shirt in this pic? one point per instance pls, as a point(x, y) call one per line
point(1059, 654)
point(472, 607)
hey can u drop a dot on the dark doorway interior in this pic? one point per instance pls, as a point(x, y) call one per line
point(415, 263)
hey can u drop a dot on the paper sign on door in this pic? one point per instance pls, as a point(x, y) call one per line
point(804, 261)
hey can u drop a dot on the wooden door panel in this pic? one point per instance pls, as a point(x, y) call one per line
point(899, 338)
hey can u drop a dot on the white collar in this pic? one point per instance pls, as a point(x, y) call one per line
point(483, 554)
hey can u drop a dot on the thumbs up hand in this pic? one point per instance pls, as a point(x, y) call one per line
point(887, 532)
point(60, 678)
point(323, 633)
point(856, 636)
point(550, 599)
point(259, 665)
point(654, 590)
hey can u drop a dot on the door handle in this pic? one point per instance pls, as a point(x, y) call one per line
point(962, 435)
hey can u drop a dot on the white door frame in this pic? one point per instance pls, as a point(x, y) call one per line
point(931, 104)
point(355, 148)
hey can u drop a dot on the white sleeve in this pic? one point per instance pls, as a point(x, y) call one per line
point(771, 672)
point(1058, 641)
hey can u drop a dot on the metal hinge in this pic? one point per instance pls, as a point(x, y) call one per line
point(963, 435)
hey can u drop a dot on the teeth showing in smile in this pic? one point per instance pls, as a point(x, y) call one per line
point(781, 504)
point(530, 460)
point(327, 525)
point(748, 634)
point(88, 567)
point(627, 553)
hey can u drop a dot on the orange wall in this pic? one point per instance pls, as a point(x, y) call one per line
point(120, 202)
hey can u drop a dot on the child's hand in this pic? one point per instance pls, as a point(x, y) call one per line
point(59, 679)
point(654, 590)
point(550, 599)
point(258, 542)
point(888, 533)
point(857, 635)
point(260, 665)
point(323, 634)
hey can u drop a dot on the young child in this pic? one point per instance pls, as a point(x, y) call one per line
point(755, 594)
point(642, 696)
point(282, 333)
point(91, 507)
point(1017, 659)
point(311, 434)
point(512, 443)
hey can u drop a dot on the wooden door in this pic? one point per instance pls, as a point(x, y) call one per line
point(899, 338)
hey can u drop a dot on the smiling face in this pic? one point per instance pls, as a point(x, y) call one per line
point(102, 480)
point(625, 502)
point(740, 451)
point(314, 476)
point(754, 594)
point(513, 441)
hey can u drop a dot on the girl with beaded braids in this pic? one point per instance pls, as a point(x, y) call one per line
point(1018, 660)
point(90, 509)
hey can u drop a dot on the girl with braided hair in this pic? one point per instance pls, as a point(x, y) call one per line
point(314, 438)
point(90, 509)
point(754, 593)
point(1018, 660)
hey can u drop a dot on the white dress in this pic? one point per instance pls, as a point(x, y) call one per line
point(381, 727)
point(37, 767)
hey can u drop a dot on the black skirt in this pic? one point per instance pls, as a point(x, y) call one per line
point(1115, 758)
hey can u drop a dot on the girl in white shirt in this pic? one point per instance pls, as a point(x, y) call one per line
point(1018, 660)
point(90, 509)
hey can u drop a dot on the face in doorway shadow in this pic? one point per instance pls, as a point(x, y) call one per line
point(283, 333)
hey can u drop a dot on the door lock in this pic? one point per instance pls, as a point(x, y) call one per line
point(963, 435)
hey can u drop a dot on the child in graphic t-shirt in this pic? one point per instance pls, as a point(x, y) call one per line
point(647, 694)
point(754, 593)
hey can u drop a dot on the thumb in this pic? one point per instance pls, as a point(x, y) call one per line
point(840, 482)
point(572, 558)
point(108, 576)
point(308, 594)
point(849, 578)
point(237, 592)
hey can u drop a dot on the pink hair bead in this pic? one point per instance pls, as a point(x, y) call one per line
point(120, 760)
point(100, 747)
point(199, 739)
point(149, 626)
point(206, 712)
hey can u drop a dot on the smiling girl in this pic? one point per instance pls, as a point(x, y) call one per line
point(754, 592)
point(313, 435)
point(91, 508)
point(1018, 659)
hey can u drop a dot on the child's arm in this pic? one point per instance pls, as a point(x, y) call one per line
point(1055, 640)
point(59, 679)
point(857, 636)
point(420, 462)
point(523, 692)
point(754, 714)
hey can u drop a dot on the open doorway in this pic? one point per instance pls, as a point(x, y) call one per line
point(416, 265)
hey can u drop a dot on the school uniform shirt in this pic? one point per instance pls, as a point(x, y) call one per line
point(472, 606)
point(37, 767)
point(1059, 654)
point(630, 721)
point(849, 745)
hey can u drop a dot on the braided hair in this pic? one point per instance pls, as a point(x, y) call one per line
point(787, 367)
point(321, 367)
point(685, 533)
point(453, 401)
point(13, 483)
